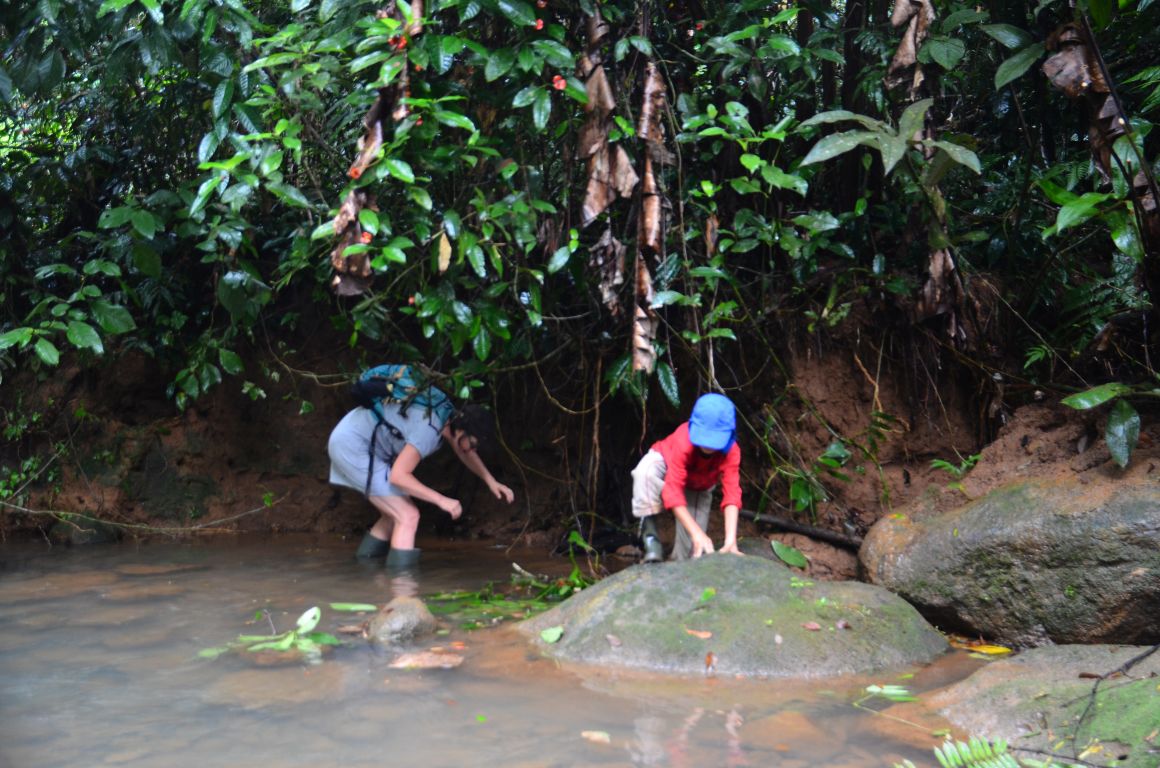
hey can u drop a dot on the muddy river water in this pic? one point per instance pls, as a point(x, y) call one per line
point(100, 666)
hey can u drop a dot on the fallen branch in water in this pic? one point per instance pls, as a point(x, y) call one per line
point(848, 542)
point(206, 527)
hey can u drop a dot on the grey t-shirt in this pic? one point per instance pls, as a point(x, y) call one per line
point(349, 445)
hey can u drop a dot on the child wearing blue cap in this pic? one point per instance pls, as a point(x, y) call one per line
point(679, 474)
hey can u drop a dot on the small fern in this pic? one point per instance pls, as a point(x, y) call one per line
point(979, 753)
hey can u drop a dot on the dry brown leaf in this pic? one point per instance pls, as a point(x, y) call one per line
point(644, 322)
point(607, 258)
point(649, 127)
point(597, 737)
point(613, 640)
point(600, 98)
point(649, 234)
point(703, 634)
point(812, 626)
point(426, 660)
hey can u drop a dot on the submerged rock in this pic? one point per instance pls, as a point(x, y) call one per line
point(400, 620)
point(1042, 699)
point(728, 615)
point(1032, 563)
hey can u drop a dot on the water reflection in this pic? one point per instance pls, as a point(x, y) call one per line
point(99, 666)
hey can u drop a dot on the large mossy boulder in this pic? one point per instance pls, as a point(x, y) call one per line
point(1031, 563)
point(1052, 700)
point(738, 615)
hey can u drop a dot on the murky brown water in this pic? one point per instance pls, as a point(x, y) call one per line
point(99, 666)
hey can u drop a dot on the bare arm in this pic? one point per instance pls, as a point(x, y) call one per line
point(473, 462)
point(730, 544)
point(702, 544)
point(403, 477)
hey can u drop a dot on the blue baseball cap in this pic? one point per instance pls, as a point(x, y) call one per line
point(713, 424)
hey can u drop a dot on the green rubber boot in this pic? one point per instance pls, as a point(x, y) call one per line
point(399, 559)
point(654, 551)
point(372, 548)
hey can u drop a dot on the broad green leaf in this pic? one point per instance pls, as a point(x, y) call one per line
point(309, 620)
point(552, 634)
point(1008, 36)
point(519, 13)
point(838, 144)
point(144, 223)
point(400, 169)
point(708, 594)
point(542, 109)
point(1103, 11)
point(83, 336)
point(47, 351)
point(498, 64)
point(913, 118)
point(369, 60)
point(111, 218)
point(481, 345)
point(751, 162)
point(525, 96)
point(789, 555)
point(893, 148)
point(222, 97)
point(354, 607)
point(112, 318)
point(369, 220)
point(12, 338)
point(559, 259)
point(840, 115)
point(1079, 210)
point(323, 230)
point(153, 8)
point(1122, 432)
point(960, 155)
point(109, 6)
point(776, 177)
point(421, 197)
point(667, 378)
point(454, 119)
point(947, 52)
point(1014, 67)
point(961, 17)
point(1096, 395)
point(203, 192)
point(231, 362)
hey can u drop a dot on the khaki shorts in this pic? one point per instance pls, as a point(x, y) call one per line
point(648, 479)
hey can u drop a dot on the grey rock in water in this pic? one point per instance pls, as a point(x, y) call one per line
point(1052, 700)
point(402, 619)
point(727, 615)
point(1031, 563)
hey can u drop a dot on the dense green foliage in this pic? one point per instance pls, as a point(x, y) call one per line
point(169, 172)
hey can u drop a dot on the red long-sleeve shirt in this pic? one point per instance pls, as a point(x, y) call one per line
point(687, 467)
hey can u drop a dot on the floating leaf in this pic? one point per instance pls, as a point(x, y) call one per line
point(552, 634)
point(597, 737)
point(703, 634)
point(353, 607)
point(708, 594)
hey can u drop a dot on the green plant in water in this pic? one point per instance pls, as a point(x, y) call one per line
point(303, 639)
point(978, 752)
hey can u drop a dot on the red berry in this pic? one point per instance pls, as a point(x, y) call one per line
point(354, 172)
point(559, 83)
point(539, 24)
point(366, 237)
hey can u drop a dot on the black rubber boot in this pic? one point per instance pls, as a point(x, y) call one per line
point(372, 548)
point(399, 559)
point(654, 551)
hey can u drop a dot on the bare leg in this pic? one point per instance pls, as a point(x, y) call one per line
point(399, 520)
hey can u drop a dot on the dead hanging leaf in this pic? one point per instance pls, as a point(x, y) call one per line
point(610, 173)
point(1072, 68)
point(644, 324)
point(711, 227)
point(649, 234)
point(600, 98)
point(607, 259)
point(812, 626)
point(649, 126)
point(444, 252)
point(703, 634)
point(348, 212)
point(416, 24)
point(918, 15)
